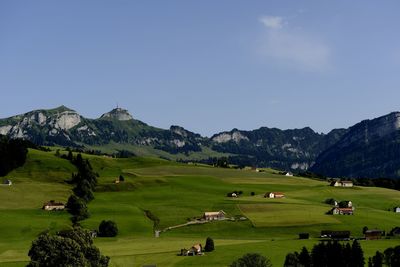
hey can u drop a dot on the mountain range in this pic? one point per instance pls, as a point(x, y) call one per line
point(368, 149)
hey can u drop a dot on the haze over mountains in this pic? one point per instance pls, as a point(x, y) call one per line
point(368, 149)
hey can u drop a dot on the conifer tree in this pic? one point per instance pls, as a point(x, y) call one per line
point(209, 245)
point(357, 255)
point(304, 257)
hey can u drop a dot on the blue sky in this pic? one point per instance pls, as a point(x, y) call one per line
point(205, 65)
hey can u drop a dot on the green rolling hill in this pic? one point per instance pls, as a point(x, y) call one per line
point(176, 193)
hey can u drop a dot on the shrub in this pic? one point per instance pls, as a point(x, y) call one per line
point(330, 201)
point(209, 245)
point(108, 229)
point(304, 236)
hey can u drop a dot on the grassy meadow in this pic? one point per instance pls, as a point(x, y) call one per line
point(176, 193)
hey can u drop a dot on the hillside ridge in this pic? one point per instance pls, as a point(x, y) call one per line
point(291, 149)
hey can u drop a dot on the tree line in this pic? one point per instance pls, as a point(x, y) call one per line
point(390, 258)
point(85, 181)
point(13, 153)
point(329, 254)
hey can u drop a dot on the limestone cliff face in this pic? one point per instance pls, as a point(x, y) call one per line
point(371, 148)
point(369, 130)
point(283, 149)
point(66, 120)
point(117, 114)
point(224, 137)
point(54, 121)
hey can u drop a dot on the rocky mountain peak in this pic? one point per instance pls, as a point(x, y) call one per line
point(61, 108)
point(117, 114)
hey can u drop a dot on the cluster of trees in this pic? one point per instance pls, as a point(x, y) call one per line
point(72, 247)
point(221, 162)
point(330, 254)
point(85, 182)
point(390, 257)
point(379, 182)
point(12, 153)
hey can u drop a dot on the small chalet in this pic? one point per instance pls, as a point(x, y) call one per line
point(289, 174)
point(347, 183)
point(214, 215)
point(52, 205)
point(342, 183)
point(7, 182)
point(193, 251)
point(335, 183)
point(274, 195)
point(397, 209)
point(395, 231)
point(373, 234)
point(342, 211)
point(93, 233)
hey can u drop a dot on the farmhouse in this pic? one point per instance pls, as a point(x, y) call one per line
point(214, 215)
point(342, 211)
point(274, 195)
point(347, 183)
point(397, 209)
point(342, 183)
point(289, 174)
point(52, 205)
point(373, 234)
point(335, 183)
point(194, 250)
point(7, 182)
point(197, 248)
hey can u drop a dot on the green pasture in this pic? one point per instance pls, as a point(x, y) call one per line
point(176, 193)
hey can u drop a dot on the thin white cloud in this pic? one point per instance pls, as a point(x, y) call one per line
point(293, 48)
point(272, 22)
